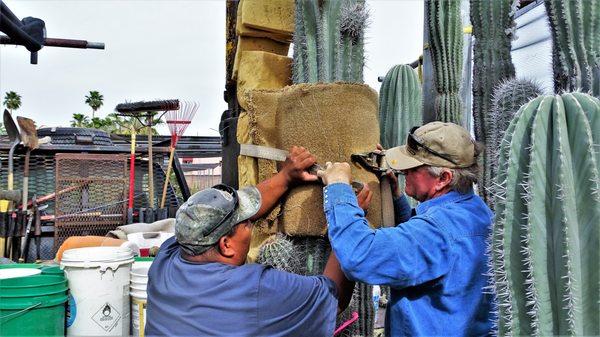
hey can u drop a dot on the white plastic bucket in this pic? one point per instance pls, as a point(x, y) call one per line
point(139, 282)
point(99, 283)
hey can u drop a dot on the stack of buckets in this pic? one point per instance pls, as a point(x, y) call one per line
point(139, 282)
point(32, 300)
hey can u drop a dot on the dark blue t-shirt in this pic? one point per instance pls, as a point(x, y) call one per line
point(215, 299)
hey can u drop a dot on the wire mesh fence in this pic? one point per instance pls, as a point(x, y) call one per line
point(97, 199)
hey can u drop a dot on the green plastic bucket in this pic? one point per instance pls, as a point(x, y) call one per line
point(52, 270)
point(20, 265)
point(33, 306)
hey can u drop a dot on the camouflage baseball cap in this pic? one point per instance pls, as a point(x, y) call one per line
point(436, 144)
point(211, 213)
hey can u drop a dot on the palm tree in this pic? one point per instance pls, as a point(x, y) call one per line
point(80, 121)
point(95, 101)
point(12, 101)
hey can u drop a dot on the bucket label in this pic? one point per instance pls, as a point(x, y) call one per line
point(71, 310)
point(107, 317)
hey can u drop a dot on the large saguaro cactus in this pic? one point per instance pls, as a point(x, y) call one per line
point(545, 241)
point(446, 40)
point(400, 106)
point(492, 64)
point(329, 41)
point(576, 48)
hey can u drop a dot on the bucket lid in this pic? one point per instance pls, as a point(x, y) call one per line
point(96, 256)
point(20, 265)
point(7, 273)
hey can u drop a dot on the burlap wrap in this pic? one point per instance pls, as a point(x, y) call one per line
point(333, 121)
point(262, 70)
point(246, 43)
point(275, 16)
point(255, 13)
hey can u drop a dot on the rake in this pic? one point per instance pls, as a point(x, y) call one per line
point(177, 120)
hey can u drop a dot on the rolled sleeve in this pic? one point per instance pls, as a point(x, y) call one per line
point(409, 254)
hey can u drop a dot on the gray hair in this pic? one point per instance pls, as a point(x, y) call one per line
point(462, 178)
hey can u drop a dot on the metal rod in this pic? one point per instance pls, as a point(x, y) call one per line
point(56, 42)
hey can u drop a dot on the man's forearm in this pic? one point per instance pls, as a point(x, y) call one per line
point(270, 191)
point(345, 287)
point(402, 209)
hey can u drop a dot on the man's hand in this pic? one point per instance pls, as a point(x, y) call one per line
point(391, 176)
point(364, 198)
point(335, 173)
point(394, 184)
point(294, 167)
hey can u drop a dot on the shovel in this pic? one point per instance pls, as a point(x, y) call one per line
point(13, 135)
point(30, 140)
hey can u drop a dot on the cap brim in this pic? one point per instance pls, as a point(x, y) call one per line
point(399, 159)
point(249, 203)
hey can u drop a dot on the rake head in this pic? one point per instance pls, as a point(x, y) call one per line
point(178, 120)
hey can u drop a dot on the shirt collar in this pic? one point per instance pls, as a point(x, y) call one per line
point(449, 197)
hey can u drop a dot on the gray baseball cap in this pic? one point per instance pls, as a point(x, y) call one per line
point(211, 213)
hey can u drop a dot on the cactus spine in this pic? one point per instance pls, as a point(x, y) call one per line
point(545, 240)
point(280, 253)
point(492, 64)
point(399, 105)
point(576, 48)
point(508, 97)
point(446, 40)
point(329, 41)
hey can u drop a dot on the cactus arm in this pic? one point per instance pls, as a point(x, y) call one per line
point(583, 219)
point(358, 60)
point(331, 36)
point(310, 10)
point(300, 72)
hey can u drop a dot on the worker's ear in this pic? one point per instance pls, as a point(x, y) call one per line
point(444, 179)
point(225, 246)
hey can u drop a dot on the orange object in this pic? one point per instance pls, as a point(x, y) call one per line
point(86, 241)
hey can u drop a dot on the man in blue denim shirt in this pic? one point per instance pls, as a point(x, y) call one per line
point(434, 261)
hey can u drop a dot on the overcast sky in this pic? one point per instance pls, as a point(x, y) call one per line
point(159, 50)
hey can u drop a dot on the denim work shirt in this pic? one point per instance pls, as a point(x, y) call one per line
point(435, 262)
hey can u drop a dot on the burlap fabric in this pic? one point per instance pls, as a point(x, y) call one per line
point(333, 121)
point(275, 16)
point(246, 43)
point(244, 30)
point(262, 70)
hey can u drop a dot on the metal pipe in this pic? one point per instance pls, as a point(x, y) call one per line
point(55, 42)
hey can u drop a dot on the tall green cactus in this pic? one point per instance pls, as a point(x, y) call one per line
point(508, 97)
point(446, 41)
point(544, 246)
point(329, 41)
point(576, 48)
point(400, 106)
point(492, 28)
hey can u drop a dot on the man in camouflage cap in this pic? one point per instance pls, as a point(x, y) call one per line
point(434, 260)
point(199, 284)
